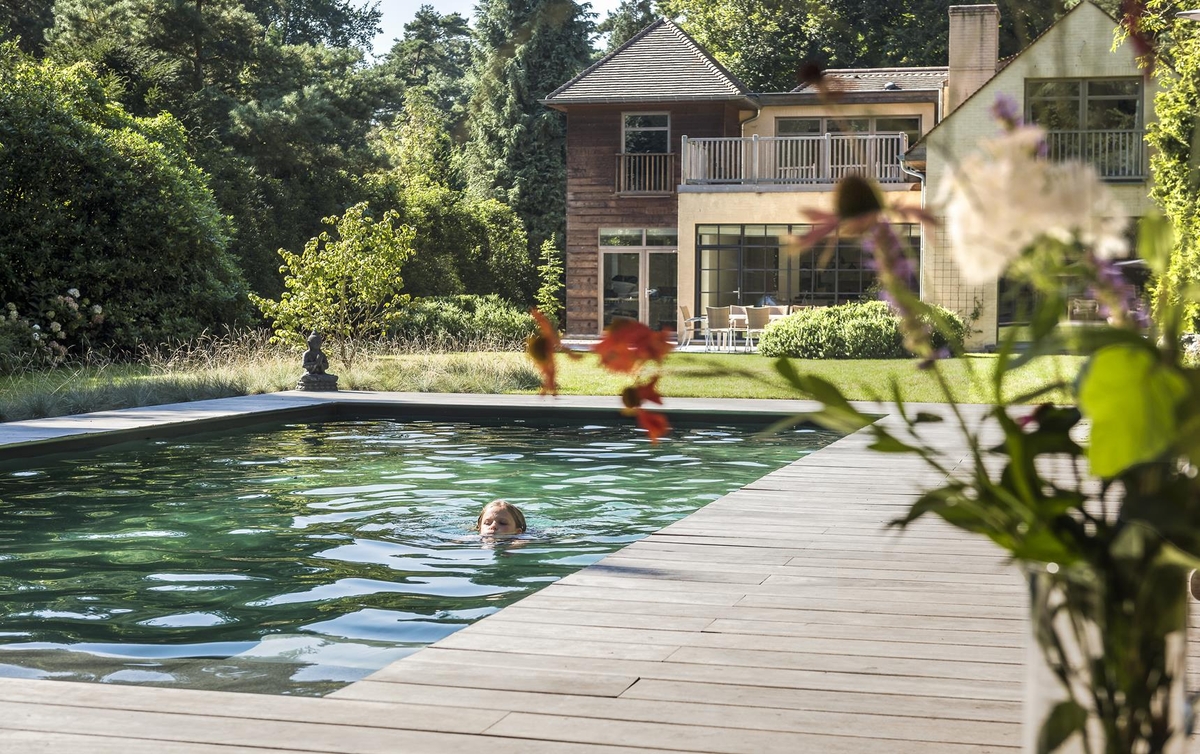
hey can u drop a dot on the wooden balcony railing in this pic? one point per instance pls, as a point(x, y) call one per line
point(783, 160)
point(645, 173)
point(1116, 155)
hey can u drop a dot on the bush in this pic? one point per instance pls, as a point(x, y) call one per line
point(96, 198)
point(867, 330)
point(464, 323)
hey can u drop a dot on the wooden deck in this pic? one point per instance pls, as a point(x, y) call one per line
point(783, 617)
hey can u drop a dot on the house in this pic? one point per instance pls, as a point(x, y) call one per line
point(683, 188)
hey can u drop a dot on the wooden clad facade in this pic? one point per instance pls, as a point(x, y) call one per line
point(594, 139)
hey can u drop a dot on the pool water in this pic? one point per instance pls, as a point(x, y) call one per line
point(301, 558)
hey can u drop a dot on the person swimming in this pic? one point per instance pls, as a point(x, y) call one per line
point(500, 518)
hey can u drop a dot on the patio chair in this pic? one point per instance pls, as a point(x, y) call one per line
point(757, 319)
point(716, 326)
point(737, 323)
point(689, 325)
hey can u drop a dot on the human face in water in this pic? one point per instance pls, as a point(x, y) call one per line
point(497, 521)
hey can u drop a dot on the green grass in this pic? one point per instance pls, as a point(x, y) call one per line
point(693, 375)
point(250, 365)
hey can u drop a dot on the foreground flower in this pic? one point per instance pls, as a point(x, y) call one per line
point(1002, 201)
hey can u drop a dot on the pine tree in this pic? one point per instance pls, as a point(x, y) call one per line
point(517, 146)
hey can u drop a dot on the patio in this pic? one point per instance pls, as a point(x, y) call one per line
point(781, 617)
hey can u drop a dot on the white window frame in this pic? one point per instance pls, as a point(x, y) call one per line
point(624, 127)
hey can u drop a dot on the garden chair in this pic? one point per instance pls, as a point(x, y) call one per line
point(689, 325)
point(757, 319)
point(737, 323)
point(717, 326)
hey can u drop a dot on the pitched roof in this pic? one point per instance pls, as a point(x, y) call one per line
point(882, 79)
point(661, 63)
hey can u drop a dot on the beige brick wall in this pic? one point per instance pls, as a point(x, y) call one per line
point(1079, 46)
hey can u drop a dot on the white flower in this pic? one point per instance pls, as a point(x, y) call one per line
point(11, 307)
point(37, 327)
point(96, 309)
point(73, 292)
point(37, 336)
point(55, 327)
point(999, 202)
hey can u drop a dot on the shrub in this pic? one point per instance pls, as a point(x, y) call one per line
point(59, 328)
point(867, 330)
point(462, 323)
point(100, 199)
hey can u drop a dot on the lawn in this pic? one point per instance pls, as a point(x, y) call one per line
point(58, 392)
point(707, 375)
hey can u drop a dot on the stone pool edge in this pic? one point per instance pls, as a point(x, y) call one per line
point(84, 432)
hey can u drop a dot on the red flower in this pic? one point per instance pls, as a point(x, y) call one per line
point(628, 344)
point(638, 393)
point(655, 424)
point(541, 348)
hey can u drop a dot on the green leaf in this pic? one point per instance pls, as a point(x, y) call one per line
point(887, 443)
point(1156, 239)
point(1065, 720)
point(1130, 398)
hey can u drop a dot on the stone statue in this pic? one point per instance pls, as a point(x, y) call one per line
point(315, 377)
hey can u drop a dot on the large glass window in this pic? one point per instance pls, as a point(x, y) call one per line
point(639, 273)
point(907, 125)
point(1085, 104)
point(752, 265)
point(647, 133)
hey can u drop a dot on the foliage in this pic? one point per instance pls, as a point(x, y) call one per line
point(866, 330)
point(1174, 136)
point(517, 148)
point(764, 42)
point(549, 297)
point(55, 330)
point(345, 285)
point(626, 20)
point(434, 55)
point(464, 323)
point(26, 21)
point(278, 115)
point(94, 197)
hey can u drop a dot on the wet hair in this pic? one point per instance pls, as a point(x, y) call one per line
point(514, 511)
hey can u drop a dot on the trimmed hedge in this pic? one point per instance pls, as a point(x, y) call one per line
point(866, 330)
point(465, 323)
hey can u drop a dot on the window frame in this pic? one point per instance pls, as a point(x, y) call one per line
point(1085, 97)
point(625, 129)
point(824, 121)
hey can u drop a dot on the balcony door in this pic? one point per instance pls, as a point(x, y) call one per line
point(639, 276)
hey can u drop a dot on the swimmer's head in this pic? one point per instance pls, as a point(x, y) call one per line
point(499, 517)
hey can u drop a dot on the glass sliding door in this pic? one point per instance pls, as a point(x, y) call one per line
point(639, 274)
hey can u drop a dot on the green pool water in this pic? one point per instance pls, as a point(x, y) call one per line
point(301, 558)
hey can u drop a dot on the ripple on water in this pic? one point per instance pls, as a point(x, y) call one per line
point(301, 559)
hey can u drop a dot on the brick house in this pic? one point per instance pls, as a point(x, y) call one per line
point(683, 187)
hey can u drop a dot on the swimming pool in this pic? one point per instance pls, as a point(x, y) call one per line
point(301, 558)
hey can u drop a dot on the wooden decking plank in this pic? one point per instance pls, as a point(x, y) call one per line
point(981, 686)
point(869, 716)
point(715, 740)
point(50, 742)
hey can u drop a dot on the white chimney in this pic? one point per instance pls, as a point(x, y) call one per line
point(974, 50)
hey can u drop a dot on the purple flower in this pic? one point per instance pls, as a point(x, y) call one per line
point(1006, 110)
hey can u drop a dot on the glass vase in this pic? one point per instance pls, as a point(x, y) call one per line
point(1106, 657)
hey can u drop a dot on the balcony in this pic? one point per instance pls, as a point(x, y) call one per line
point(645, 174)
point(792, 162)
point(1116, 155)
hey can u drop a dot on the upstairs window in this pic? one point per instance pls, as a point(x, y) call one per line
point(646, 133)
point(907, 125)
point(1085, 104)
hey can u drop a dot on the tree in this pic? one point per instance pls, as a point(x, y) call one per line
point(626, 20)
point(516, 151)
point(26, 21)
point(550, 291)
point(1175, 139)
point(94, 198)
point(764, 42)
point(434, 54)
point(336, 23)
point(345, 285)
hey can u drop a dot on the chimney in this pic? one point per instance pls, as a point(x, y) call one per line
point(974, 50)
